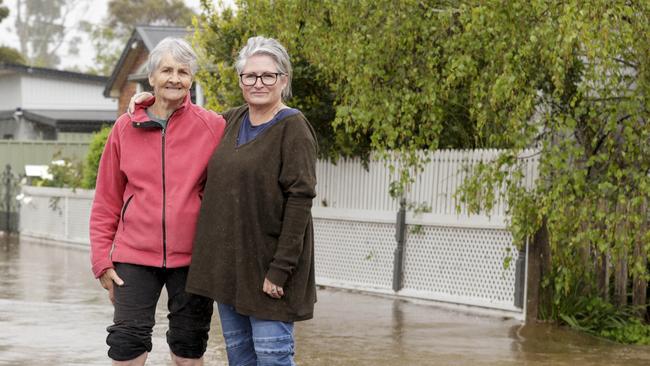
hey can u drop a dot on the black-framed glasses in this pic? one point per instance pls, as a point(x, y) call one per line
point(268, 78)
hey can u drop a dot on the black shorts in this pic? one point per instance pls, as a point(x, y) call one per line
point(135, 308)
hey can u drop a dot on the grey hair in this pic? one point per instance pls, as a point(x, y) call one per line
point(267, 46)
point(180, 50)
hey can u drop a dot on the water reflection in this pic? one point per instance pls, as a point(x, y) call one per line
point(8, 255)
point(541, 344)
point(51, 308)
point(398, 326)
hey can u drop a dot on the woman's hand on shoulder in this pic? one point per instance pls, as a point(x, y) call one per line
point(137, 99)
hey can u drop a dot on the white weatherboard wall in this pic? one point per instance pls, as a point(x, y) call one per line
point(48, 93)
point(451, 258)
point(10, 92)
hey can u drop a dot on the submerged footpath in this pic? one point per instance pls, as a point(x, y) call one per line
point(53, 312)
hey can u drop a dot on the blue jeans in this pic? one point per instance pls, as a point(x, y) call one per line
point(256, 342)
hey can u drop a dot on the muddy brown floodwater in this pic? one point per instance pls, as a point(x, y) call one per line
point(52, 312)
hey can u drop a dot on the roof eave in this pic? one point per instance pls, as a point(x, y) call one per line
point(11, 68)
point(108, 90)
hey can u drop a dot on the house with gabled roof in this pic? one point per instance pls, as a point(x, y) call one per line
point(130, 74)
point(46, 104)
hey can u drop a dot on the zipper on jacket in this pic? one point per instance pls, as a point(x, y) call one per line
point(164, 193)
point(164, 202)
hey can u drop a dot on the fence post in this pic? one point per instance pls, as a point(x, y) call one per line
point(520, 278)
point(6, 180)
point(400, 236)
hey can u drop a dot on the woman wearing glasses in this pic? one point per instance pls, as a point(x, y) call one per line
point(254, 251)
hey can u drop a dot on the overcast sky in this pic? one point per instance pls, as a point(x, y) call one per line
point(90, 10)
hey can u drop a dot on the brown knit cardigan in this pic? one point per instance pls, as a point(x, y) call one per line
point(255, 221)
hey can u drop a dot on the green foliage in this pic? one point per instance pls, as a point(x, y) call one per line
point(69, 173)
point(417, 208)
point(95, 150)
point(4, 11)
point(220, 35)
point(570, 79)
point(11, 56)
point(368, 73)
point(600, 318)
point(65, 172)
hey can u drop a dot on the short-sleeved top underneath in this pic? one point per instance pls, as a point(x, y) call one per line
point(154, 118)
point(248, 132)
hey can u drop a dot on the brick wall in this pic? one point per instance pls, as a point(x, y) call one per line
point(129, 88)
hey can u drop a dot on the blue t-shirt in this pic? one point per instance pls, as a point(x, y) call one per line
point(248, 132)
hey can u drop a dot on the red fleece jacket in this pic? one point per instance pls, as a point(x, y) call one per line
point(150, 186)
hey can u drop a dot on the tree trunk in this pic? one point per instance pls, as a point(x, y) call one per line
point(584, 251)
point(537, 267)
point(639, 283)
point(602, 261)
point(620, 281)
point(621, 271)
point(20, 30)
point(602, 273)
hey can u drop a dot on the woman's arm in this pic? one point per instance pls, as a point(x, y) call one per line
point(298, 181)
point(107, 204)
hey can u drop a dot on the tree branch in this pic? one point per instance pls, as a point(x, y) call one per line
point(633, 65)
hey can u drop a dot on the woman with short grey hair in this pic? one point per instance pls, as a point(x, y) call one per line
point(272, 48)
point(178, 49)
point(147, 199)
point(254, 247)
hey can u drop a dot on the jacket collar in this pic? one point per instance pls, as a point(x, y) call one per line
point(141, 119)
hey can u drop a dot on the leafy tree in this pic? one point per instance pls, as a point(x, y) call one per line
point(572, 79)
point(384, 60)
point(367, 72)
point(110, 36)
point(569, 79)
point(11, 55)
point(41, 29)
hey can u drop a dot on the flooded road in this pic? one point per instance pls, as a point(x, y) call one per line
point(52, 312)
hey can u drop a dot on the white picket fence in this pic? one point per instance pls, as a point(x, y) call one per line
point(449, 257)
point(349, 185)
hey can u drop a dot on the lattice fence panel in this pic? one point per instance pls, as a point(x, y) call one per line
point(463, 265)
point(353, 253)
